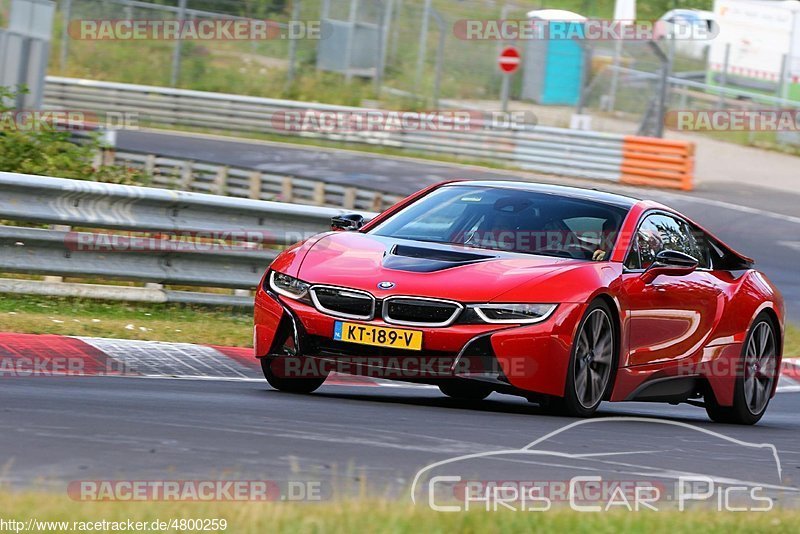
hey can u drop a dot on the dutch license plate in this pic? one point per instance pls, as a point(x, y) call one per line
point(377, 335)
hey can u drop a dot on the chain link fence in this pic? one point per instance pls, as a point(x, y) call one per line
point(420, 56)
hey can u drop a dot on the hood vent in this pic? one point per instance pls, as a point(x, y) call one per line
point(426, 260)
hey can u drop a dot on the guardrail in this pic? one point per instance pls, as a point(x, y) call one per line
point(144, 234)
point(561, 151)
point(240, 182)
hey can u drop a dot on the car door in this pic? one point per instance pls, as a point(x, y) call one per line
point(671, 317)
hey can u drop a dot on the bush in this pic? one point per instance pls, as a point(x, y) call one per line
point(48, 151)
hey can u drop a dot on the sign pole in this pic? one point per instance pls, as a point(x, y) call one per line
point(504, 91)
point(508, 61)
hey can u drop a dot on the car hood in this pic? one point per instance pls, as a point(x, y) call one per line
point(362, 261)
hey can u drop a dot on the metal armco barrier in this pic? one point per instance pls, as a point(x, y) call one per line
point(562, 151)
point(204, 177)
point(657, 162)
point(201, 240)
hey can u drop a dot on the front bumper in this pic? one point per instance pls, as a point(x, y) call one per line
point(529, 359)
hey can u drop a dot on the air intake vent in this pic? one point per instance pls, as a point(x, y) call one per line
point(341, 302)
point(417, 311)
point(452, 256)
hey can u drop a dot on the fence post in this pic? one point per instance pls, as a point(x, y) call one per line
point(723, 79)
point(351, 30)
point(176, 52)
point(423, 44)
point(293, 45)
point(66, 13)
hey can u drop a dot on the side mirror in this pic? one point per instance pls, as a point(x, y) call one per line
point(669, 263)
point(347, 222)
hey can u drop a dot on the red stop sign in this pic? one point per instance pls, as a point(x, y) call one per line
point(509, 59)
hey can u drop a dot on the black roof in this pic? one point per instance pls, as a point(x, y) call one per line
point(604, 197)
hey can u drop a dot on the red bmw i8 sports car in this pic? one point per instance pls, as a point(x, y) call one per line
point(565, 296)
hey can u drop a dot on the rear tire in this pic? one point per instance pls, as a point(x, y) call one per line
point(592, 364)
point(465, 390)
point(289, 384)
point(753, 386)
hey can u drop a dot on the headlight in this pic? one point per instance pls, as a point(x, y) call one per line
point(288, 286)
point(513, 313)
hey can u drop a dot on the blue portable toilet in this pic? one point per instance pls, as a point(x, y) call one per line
point(553, 62)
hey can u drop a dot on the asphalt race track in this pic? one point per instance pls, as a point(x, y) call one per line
point(60, 429)
point(759, 222)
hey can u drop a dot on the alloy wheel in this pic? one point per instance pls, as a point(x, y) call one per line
point(759, 370)
point(593, 358)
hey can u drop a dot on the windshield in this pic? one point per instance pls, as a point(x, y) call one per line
point(508, 219)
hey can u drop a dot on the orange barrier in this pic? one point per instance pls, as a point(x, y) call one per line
point(657, 162)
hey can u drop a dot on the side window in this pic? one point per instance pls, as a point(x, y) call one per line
point(633, 261)
point(662, 232)
point(697, 245)
point(658, 232)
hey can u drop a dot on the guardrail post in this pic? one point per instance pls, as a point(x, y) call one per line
point(186, 175)
point(59, 228)
point(255, 185)
point(221, 181)
point(377, 202)
point(97, 160)
point(319, 193)
point(150, 164)
point(349, 201)
point(108, 156)
point(287, 192)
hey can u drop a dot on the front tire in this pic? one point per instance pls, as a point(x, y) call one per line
point(591, 366)
point(290, 384)
point(753, 386)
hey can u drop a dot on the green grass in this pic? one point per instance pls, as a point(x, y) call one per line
point(389, 516)
point(158, 322)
